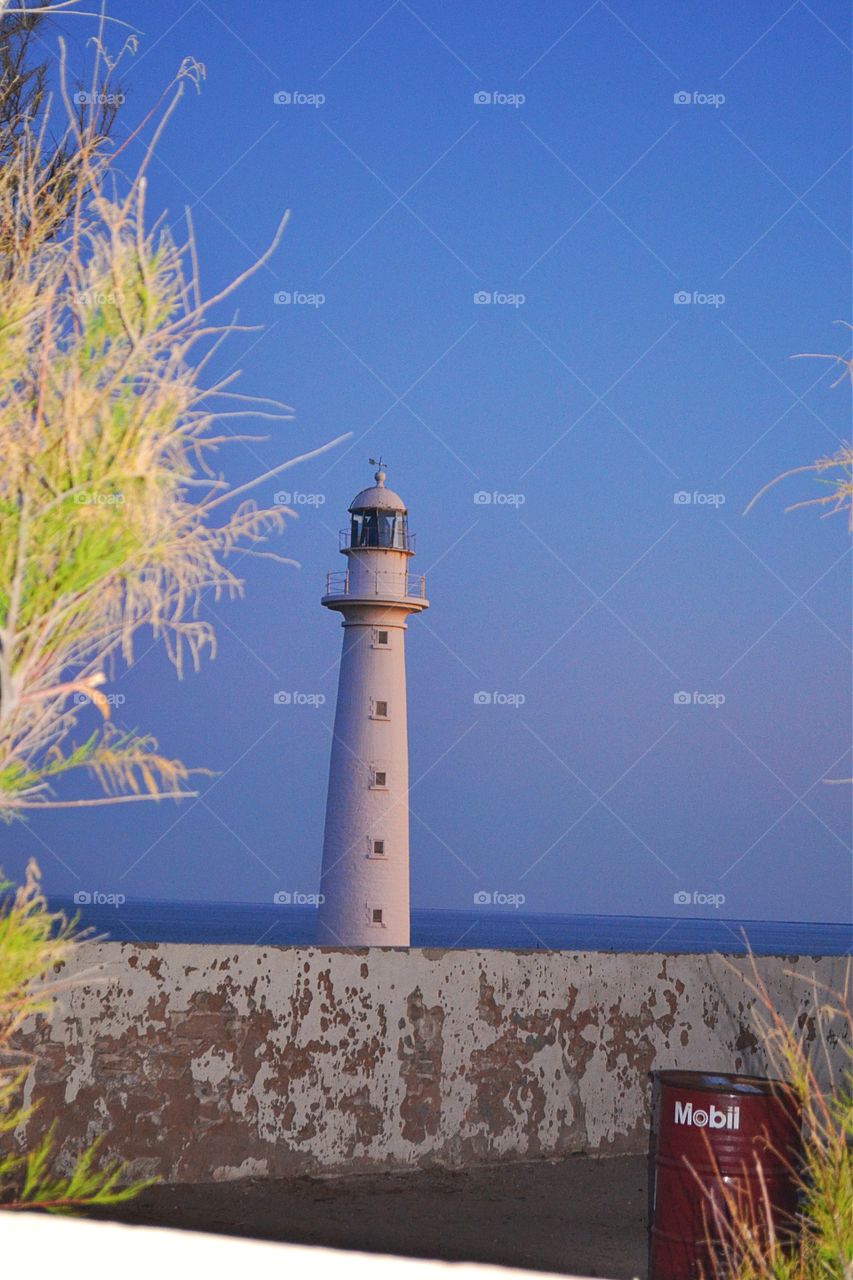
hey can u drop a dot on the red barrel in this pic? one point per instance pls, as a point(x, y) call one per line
point(708, 1133)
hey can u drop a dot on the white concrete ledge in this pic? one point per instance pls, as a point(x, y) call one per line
point(43, 1245)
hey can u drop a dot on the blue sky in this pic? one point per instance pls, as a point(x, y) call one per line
point(581, 198)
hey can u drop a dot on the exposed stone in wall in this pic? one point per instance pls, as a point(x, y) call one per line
point(210, 1062)
point(421, 1054)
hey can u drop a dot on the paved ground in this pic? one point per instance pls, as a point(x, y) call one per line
point(577, 1215)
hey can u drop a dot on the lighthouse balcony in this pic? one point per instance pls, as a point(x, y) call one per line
point(379, 585)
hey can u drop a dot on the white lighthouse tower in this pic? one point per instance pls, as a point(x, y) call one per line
point(365, 878)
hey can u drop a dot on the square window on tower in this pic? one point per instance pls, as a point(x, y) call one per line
point(376, 916)
point(377, 848)
point(379, 780)
point(380, 710)
point(381, 639)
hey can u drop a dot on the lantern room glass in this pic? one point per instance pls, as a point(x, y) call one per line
point(376, 528)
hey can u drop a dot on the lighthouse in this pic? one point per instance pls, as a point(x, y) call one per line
point(365, 879)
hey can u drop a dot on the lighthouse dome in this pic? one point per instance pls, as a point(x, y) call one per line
point(378, 498)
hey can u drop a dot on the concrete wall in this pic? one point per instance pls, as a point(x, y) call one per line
point(215, 1062)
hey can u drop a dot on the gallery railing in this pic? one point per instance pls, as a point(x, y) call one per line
point(393, 586)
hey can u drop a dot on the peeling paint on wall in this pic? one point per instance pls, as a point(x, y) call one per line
point(207, 1062)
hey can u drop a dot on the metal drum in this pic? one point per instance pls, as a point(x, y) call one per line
point(708, 1132)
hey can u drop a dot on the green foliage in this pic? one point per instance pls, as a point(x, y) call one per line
point(111, 514)
point(835, 472)
point(87, 1185)
point(823, 1247)
point(35, 942)
point(112, 518)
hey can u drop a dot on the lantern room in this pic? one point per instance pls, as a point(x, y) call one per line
point(379, 519)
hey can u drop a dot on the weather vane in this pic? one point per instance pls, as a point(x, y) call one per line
point(378, 462)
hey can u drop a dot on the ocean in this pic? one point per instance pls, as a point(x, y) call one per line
point(272, 925)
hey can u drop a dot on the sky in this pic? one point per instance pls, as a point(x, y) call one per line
point(552, 260)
